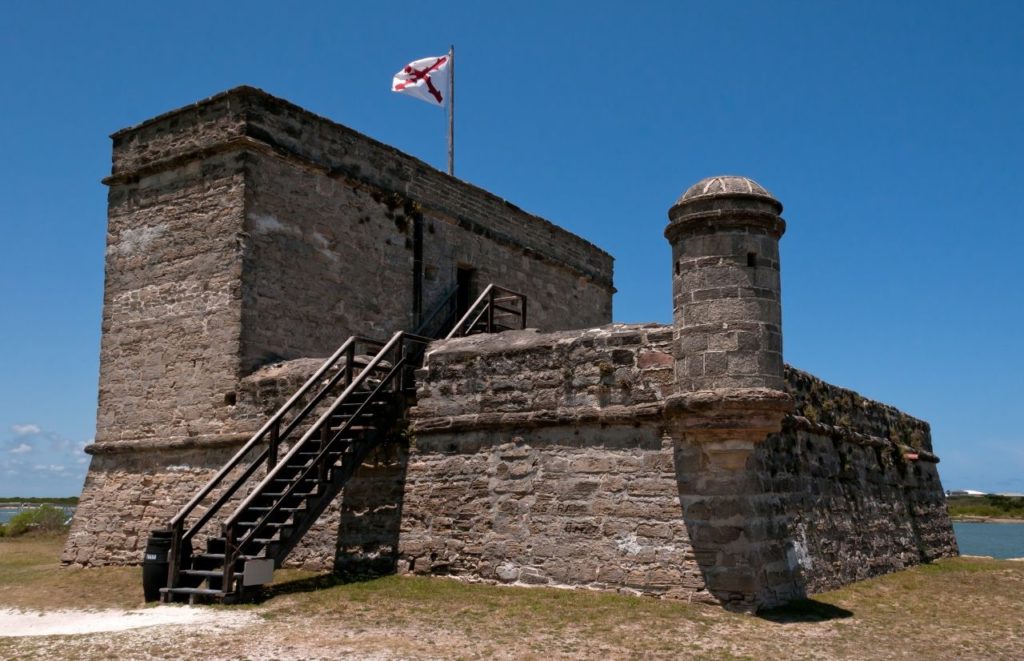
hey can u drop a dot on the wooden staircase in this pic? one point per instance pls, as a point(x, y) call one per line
point(289, 472)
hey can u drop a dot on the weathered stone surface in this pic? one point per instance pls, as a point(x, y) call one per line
point(244, 231)
point(814, 506)
point(247, 236)
point(726, 292)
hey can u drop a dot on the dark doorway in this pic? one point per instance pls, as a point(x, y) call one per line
point(464, 281)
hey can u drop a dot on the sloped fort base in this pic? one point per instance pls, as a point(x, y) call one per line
point(552, 459)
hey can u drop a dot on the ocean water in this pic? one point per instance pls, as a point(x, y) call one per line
point(6, 514)
point(999, 540)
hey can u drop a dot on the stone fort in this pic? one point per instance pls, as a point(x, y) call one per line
point(486, 420)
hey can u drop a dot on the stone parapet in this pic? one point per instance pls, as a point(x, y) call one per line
point(757, 496)
point(249, 118)
point(526, 371)
point(821, 403)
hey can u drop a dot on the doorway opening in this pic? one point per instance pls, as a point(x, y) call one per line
point(465, 278)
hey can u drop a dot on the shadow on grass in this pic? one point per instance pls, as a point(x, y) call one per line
point(308, 584)
point(804, 610)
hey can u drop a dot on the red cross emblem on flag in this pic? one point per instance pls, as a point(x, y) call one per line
point(425, 79)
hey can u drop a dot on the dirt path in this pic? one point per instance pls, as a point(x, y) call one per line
point(19, 623)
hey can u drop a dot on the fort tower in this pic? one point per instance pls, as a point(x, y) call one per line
point(725, 235)
point(730, 397)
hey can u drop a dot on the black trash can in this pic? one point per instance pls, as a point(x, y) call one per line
point(155, 563)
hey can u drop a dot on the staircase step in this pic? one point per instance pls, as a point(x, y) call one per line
point(307, 455)
point(203, 591)
point(302, 483)
point(368, 406)
point(220, 556)
point(252, 524)
point(340, 447)
point(294, 494)
point(253, 508)
point(207, 573)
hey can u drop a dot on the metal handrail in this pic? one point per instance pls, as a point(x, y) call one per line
point(232, 548)
point(315, 463)
point(180, 538)
point(485, 305)
point(356, 382)
point(273, 421)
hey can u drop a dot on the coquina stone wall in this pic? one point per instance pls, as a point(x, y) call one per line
point(859, 484)
point(547, 459)
point(132, 493)
point(248, 236)
point(551, 459)
point(244, 231)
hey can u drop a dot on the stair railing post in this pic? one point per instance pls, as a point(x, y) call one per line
point(350, 359)
point(275, 440)
point(229, 559)
point(174, 554)
point(490, 311)
point(403, 377)
point(325, 437)
point(522, 321)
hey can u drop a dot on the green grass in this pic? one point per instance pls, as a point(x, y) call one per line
point(31, 576)
point(43, 519)
point(955, 608)
point(989, 506)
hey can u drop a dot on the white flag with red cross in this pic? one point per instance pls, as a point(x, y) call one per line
point(426, 79)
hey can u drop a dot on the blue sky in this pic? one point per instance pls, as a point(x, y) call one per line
point(891, 131)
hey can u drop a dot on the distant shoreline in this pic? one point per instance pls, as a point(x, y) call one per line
point(966, 518)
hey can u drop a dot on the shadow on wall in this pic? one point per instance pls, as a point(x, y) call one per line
point(798, 515)
point(371, 513)
point(739, 544)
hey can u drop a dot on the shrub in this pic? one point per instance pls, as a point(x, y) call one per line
point(45, 518)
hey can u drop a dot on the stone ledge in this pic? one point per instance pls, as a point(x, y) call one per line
point(679, 406)
point(610, 415)
point(729, 413)
point(173, 443)
point(800, 423)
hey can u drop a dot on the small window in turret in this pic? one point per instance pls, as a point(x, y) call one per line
point(751, 259)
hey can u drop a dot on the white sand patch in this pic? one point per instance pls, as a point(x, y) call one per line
point(17, 623)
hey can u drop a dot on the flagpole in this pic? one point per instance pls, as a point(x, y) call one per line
point(451, 111)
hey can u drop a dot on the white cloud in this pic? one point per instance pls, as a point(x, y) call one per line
point(37, 461)
point(51, 468)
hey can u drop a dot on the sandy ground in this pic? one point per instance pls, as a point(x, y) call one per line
point(18, 623)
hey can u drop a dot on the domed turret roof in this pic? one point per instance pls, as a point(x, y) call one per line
point(724, 185)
